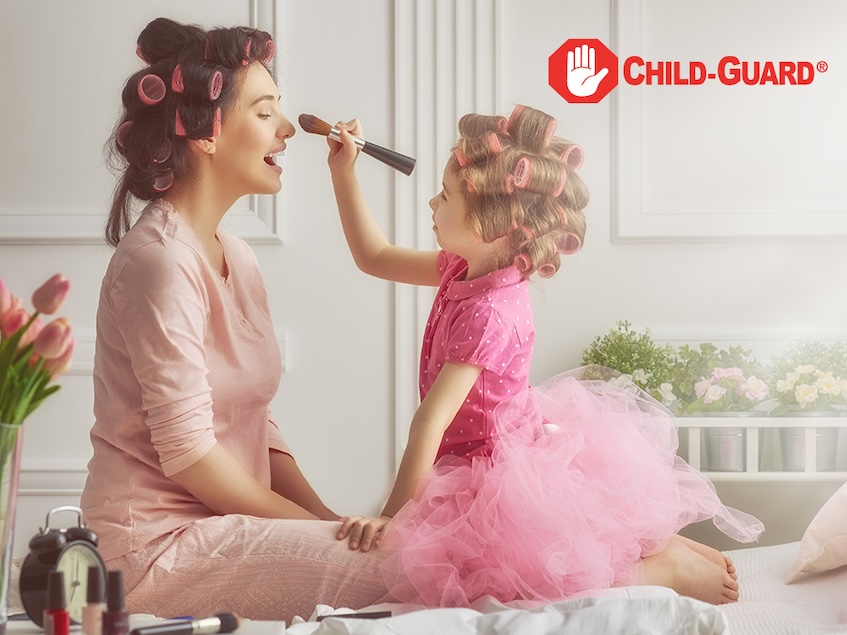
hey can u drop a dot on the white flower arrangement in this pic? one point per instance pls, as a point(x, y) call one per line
point(810, 376)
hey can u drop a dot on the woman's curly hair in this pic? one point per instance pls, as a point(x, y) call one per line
point(191, 80)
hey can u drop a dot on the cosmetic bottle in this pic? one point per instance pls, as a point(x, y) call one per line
point(57, 621)
point(115, 617)
point(92, 612)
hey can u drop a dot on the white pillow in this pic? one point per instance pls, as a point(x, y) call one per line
point(824, 545)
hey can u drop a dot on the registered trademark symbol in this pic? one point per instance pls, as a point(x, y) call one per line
point(822, 66)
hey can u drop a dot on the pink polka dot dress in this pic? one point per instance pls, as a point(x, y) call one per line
point(537, 492)
point(486, 322)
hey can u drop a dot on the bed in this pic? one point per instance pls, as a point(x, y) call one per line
point(814, 603)
point(811, 604)
point(814, 600)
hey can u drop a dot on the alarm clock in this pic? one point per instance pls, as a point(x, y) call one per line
point(72, 551)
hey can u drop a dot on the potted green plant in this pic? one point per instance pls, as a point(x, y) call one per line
point(709, 381)
point(624, 355)
point(810, 379)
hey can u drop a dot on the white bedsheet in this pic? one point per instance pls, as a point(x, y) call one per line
point(631, 610)
point(813, 604)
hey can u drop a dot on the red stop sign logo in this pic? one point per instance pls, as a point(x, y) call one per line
point(583, 71)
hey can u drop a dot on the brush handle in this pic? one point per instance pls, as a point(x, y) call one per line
point(399, 162)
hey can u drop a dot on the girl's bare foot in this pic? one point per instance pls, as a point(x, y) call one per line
point(730, 568)
point(712, 554)
point(690, 573)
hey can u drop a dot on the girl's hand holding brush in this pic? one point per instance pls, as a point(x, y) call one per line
point(343, 151)
point(399, 162)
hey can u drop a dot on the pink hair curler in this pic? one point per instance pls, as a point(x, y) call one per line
point(568, 244)
point(521, 175)
point(523, 263)
point(573, 156)
point(270, 50)
point(179, 128)
point(503, 125)
point(151, 89)
point(216, 123)
point(551, 130)
point(216, 85)
point(247, 46)
point(527, 232)
point(176, 80)
point(163, 152)
point(494, 143)
point(120, 133)
point(163, 181)
point(514, 116)
point(547, 270)
point(461, 158)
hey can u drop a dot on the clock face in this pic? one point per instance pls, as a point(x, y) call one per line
point(74, 562)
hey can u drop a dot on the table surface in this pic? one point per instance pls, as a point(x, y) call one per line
point(247, 627)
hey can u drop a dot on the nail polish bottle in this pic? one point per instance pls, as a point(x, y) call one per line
point(57, 621)
point(92, 612)
point(115, 617)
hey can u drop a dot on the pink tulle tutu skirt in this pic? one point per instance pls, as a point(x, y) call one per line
point(583, 482)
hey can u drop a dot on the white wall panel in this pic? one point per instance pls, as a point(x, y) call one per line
point(712, 161)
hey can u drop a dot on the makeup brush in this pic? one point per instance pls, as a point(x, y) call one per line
point(398, 161)
point(220, 623)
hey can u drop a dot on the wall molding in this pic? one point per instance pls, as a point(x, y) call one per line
point(258, 219)
point(446, 64)
point(633, 220)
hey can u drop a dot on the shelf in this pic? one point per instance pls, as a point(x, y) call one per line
point(752, 427)
point(761, 422)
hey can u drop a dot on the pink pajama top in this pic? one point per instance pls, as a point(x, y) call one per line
point(184, 359)
point(484, 322)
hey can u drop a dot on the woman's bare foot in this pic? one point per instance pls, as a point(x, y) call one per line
point(690, 573)
point(712, 554)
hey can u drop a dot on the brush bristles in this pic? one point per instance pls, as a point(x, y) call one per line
point(312, 124)
point(229, 622)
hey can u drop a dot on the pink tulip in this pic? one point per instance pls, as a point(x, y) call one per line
point(5, 298)
point(50, 296)
point(32, 332)
point(53, 339)
point(12, 321)
point(59, 365)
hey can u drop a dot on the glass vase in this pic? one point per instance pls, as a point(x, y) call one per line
point(11, 436)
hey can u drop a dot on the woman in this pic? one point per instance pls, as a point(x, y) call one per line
point(193, 492)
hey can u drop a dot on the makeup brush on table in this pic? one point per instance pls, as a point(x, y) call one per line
point(398, 161)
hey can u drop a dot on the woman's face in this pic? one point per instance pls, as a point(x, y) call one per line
point(252, 133)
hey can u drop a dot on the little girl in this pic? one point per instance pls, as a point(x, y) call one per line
point(535, 493)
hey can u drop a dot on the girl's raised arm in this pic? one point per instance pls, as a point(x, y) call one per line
point(371, 250)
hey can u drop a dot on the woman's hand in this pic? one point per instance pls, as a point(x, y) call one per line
point(343, 154)
point(363, 530)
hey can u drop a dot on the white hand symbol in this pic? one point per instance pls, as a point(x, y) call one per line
point(582, 80)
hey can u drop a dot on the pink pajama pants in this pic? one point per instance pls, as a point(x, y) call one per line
point(257, 568)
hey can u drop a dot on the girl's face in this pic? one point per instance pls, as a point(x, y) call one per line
point(449, 212)
point(253, 132)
